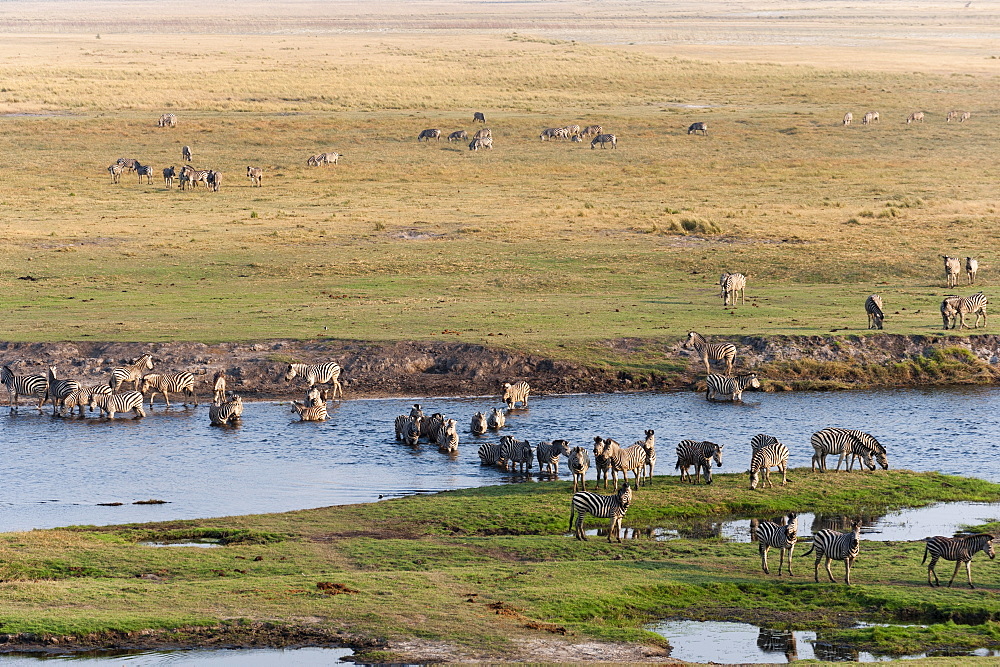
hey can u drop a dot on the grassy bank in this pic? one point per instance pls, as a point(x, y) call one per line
point(480, 570)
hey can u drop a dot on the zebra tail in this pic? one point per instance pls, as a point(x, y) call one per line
point(926, 549)
point(811, 547)
point(571, 510)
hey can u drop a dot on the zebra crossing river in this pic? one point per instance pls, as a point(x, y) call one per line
point(59, 471)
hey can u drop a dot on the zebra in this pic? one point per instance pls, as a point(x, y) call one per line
point(866, 447)
point(226, 413)
point(191, 176)
point(118, 402)
point(549, 453)
point(416, 411)
point(873, 306)
point(959, 549)
point(478, 117)
point(578, 463)
point(315, 395)
point(611, 507)
point(214, 180)
point(952, 115)
point(407, 427)
point(59, 389)
point(952, 266)
point(602, 463)
point(79, 398)
point(975, 303)
point(722, 285)
point(550, 133)
point(604, 139)
point(496, 420)
point(219, 387)
point(848, 118)
point(127, 163)
point(844, 443)
point(427, 135)
point(778, 536)
point(591, 130)
point(186, 153)
point(649, 444)
point(624, 460)
point(516, 393)
point(771, 455)
point(130, 373)
point(572, 130)
point(698, 127)
point(327, 373)
point(834, 545)
point(255, 174)
point(323, 158)
point(870, 118)
point(182, 382)
point(915, 117)
point(489, 453)
point(484, 142)
point(168, 176)
point(483, 133)
point(699, 455)
point(478, 426)
point(516, 453)
point(116, 173)
point(734, 284)
point(971, 269)
point(447, 436)
point(458, 135)
point(762, 440)
point(731, 387)
point(167, 120)
point(310, 413)
point(577, 139)
point(718, 351)
point(966, 115)
point(949, 311)
point(429, 426)
point(144, 170)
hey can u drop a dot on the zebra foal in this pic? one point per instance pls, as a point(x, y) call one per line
point(873, 306)
point(611, 507)
point(834, 545)
point(715, 351)
point(780, 536)
point(959, 549)
point(731, 388)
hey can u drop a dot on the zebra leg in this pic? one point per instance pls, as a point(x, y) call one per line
point(847, 569)
point(615, 529)
point(968, 572)
point(784, 477)
point(790, 550)
point(763, 558)
point(829, 573)
point(816, 568)
point(958, 563)
point(579, 527)
point(139, 413)
point(930, 571)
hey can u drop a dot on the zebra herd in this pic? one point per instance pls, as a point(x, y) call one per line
point(954, 308)
point(872, 117)
point(187, 177)
point(726, 387)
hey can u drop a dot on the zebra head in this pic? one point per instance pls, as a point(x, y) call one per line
point(599, 444)
point(988, 546)
point(882, 460)
point(562, 446)
point(754, 382)
point(290, 373)
point(754, 478)
point(625, 497)
point(717, 456)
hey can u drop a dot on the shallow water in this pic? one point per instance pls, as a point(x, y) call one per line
point(57, 471)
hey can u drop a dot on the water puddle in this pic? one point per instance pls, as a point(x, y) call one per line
point(202, 544)
point(213, 658)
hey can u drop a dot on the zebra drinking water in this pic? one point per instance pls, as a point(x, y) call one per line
point(730, 388)
point(226, 412)
point(771, 455)
point(699, 455)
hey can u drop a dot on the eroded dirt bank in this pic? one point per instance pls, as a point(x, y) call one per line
point(445, 368)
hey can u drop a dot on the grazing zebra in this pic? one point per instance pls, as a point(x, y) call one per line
point(611, 507)
point(484, 142)
point(489, 453)
point(328, 373)
point(483, 133)
point(952, 115)
point(427, 135)
point(624, 460)
point(870, 117)
point(848, 118)
point(167, 120)
point(949, 311)
point(182, 382)
point(873, 306)
point(975, 303)
point(256, 175)
point(130, 373)
point(778, 536)
point(866, 447)
point(549, 453)
point(226, 413)
point(717, 351)
point(496, 420)
point(310, 413)
point(952, 266)
point(516, 393)
point(578, 463)
point(59, 389)
point(915, 117)
point(699, 455)
point(116, 173)
point(323, 158)
point(118, 402)
point(649, 444)
point(219, 387)
point(550, 133)
point(604, 139)
point(458, 135)
point(447, 436)
point(834, 545)
point(771, 455)
point(168, 176)
point(214, 180)
point(966, 115)
point(577, 139)
point(959, 549)
point(127, 163)
point(478, 426)
point(572, 130)
point(698, 127)
point(186, 153)
point(971, 269)
point(730, 387)
point(516, 453)
point(734, 284)
point(591, 130)
point(844, 443)
point(144, 170)
point(478, 117)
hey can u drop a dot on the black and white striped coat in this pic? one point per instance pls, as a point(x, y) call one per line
point(478, 117)
point(949, 311)
point(478, 425)
point(624, 460)
point(698, 127)
point(116, 173)
point(127, 163)
point(59, 389)
point(130, 373)
point(227, 412)
point(490, 453)
point(958, 549)
point(213, 180)
point(190, 176)
point(516, 393)
point(777, 536)
point(410, 432)
point(429, 426)
point(328, 373)
point(602, 463)
point(611, 507)
point(427, 135)
point(711, 351)
point(773, 454)
point(23, 385)
point(549, 453)
point(458, 135)
point(483, 133)
point(604, 139)
point(952, 266)
point(516, 453)
point(186, 153)
point(496, 420)
point(649, 444)
point(310, 413)
point(481, 142)
point(834, 545)
point(691, 453)
point(873, 307)
point(167, 120)
point(118, 402)
point(578, 463)
point(846, 444)
point(733, 285)
point(169, 174)
point(416, 410)
point(80, 398)
point(975, 303)
point(142, 170)
point(971, 269)
point(552, 133)
point(446, 436)
point(178, 383)
point(219, 387)
point(730, 387)
point(256, 175)
point(591, 130)
point(316, 395)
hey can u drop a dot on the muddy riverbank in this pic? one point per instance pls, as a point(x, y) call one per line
point(445, 368)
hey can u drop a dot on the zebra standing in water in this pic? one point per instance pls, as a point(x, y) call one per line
point(516, 393)
point(26, 385)
point(516, 453)
point(734, 284)
point(447, 436)
point(873, 306)
point(489, 453)
point(731, 387)
point(478, 426)
point(718, 351)
point(834, 545)
point(121, 402)
point(972, 304)
point(496, 420)
point(611, 507)
point(226, 413)
point(971, 269)
point(959, 549)
point(59, 389)
point(328, 373)
point(130, 373)
point(310, 413)
point(778, 536)
point(549, 453)
point(951, 268)
point(179, 383)
point(771, 455)
point(578, 464)
point(699, 455)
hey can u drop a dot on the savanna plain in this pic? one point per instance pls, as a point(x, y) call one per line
point(545, 247)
